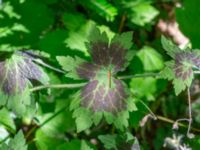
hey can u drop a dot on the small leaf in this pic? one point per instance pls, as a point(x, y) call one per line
point(6, 119)
point(169, 46)
point(102, 7)
point(17, 143)
point(150, 58)
point(85, 146)
point(83, 119)
point(109, 141)
point(180, 69)
point(70, 64)
point(140, 12)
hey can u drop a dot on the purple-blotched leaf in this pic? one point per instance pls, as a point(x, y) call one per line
point(184, 63)
point(16, 71)
point(180, 69)
point(104, 92)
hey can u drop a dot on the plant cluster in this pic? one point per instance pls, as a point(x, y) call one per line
point(97, 74)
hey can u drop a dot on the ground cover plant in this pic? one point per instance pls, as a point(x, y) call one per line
point(99, 74)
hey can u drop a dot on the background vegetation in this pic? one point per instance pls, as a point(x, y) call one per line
point(52, 28)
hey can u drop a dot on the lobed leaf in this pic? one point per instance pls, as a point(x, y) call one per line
point(180, 69)
point(104, 94)
point(17, 143)
point(16, 74)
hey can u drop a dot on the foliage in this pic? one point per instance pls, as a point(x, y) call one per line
point(98, 74)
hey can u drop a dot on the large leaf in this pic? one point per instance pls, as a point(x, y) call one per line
point(150, 59)
point(16, 74)
point(104, 92)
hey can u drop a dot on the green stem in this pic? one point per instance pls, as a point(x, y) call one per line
point(151, 112)
point(138, 76)
point(190, 114)
point(164, 119)
point(58, 86)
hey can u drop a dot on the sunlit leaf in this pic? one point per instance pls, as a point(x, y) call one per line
point(140, 12)
point(18, 142)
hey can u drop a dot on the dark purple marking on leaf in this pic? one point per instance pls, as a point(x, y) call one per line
point(185, 71)
point(87, 70)
point(100, 54)
point(29, 70)
point(117, 55)
point(99, 97)
point(108, 95)
point(104, 56)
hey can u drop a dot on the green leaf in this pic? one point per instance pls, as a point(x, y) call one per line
point(140, 12)
point(61, 122)
point(150, 58)
point(169, 47)
point(44, 141)
point(121, 121)
point(70, 65)
point(77, 38)
point(3, 134)
point(71, 145)
point(144, 87)
point(180, 69)
point(121, 141)
point(73, 21)
point(103, 94)
point(6, 119)
point(85, 146)
point(109, 141)
point(83, 119)
point(17, 143)
point(97, 117)
point(8, 9)
point(101, 7)
point(16, 73)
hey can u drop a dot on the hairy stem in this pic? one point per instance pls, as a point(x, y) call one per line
point(58, 86)
point(190, 112)
point(151, 112)
point(48, 66)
